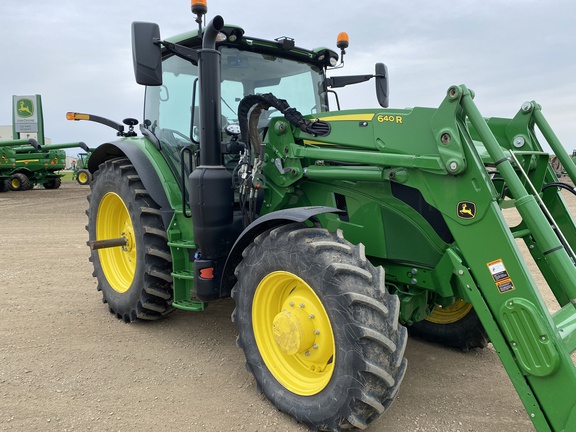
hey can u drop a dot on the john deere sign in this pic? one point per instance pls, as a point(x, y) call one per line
point(25, 113)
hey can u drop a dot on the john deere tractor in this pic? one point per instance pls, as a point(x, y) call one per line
point(81, 173)
point(334, 231)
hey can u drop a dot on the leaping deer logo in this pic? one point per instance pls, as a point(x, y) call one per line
point(466, 210)
point(25, 108)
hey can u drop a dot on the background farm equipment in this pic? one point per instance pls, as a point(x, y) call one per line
point(333, 231)
point(81, 173)
point(27, 164)
point(8, 160)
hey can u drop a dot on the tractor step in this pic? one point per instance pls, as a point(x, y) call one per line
point(190, 305)
point(183, 282)
point(184, 244)
point(183, 274)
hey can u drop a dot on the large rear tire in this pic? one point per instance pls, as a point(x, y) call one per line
point(456, 326)
point(4, 185)
point(135, 279)
point(319, 330)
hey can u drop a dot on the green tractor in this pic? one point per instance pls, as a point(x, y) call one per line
point(81, 173)
point(34, 164)
point(334, 231)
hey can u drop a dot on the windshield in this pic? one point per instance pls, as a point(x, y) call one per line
point(245, 73)
point(171, 112)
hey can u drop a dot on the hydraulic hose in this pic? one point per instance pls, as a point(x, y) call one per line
point(560, 185)
point(315, 128)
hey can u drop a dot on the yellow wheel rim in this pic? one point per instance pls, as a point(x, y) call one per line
point(450, 314)
point(15, 183)
point(293, 333)
point(82, 177)
point(118, 263)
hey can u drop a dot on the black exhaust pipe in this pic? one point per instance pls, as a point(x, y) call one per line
point(209, 78)
point(211, 190)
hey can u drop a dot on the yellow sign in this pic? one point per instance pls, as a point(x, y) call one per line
point(25, 108)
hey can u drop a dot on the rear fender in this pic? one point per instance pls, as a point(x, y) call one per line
point(264, 223)
point(143, 167)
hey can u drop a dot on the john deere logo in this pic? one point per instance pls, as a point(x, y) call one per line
point(466, 210)
point(25, 108)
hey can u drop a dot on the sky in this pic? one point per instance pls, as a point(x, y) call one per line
point(77, 55)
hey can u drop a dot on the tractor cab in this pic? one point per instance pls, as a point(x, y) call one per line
point(245, 66)
point(248, 67)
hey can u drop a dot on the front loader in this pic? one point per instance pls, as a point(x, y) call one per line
point(333, 230)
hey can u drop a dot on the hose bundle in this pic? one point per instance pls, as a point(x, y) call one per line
point(267, 100)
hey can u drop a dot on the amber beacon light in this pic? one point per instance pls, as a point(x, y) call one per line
point(199, 7)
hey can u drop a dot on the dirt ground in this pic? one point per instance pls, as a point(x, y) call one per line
point(66, 364)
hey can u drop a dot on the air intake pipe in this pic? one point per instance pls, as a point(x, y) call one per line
point(211, 191)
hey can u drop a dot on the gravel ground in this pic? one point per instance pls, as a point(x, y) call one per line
point(66, 364)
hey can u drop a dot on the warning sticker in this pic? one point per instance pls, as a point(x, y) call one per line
point(505, 286)
point(500, 276)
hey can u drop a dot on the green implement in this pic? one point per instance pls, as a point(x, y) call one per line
point(335, 231)
point(24, 164)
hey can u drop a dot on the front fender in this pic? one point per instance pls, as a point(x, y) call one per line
point(264, 223)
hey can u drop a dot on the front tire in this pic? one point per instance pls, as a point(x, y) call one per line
point(319, 331)
point(455, 326)
point(135, 279)
point(83, 177)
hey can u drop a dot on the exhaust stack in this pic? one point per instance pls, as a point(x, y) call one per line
point(211, 191)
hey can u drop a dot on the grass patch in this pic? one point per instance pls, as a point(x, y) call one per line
point(67, 175)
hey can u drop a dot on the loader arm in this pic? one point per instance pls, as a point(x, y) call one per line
point(466, 168)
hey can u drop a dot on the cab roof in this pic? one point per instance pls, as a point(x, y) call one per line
point(281, 47)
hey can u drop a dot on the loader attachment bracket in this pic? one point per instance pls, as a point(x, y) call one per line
point(446, 129)
point(529, 339)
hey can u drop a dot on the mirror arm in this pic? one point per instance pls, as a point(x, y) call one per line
point(342, 81)
point(181, 51)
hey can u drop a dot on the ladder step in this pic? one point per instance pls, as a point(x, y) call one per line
point(183, 274)
point(190, 305)
point(185, 244)
point(565, 320)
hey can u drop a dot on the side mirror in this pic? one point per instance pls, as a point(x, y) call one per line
point(147, 53)
point(382, 84)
